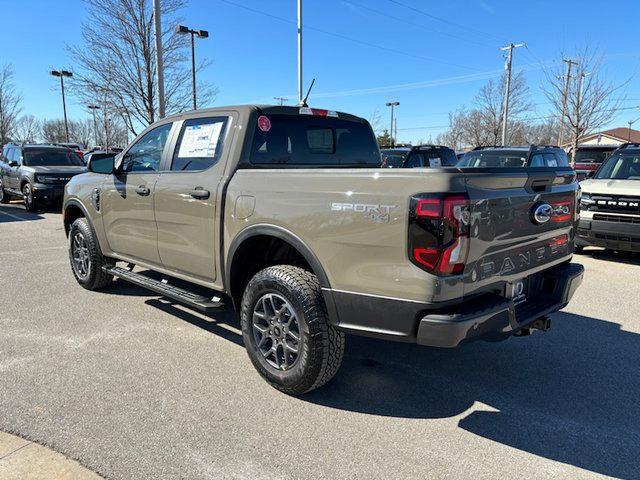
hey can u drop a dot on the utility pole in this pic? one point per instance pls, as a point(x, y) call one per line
point(578, 131)
point(565, 94)
point(93, 109)
point(300, 92)
point(281, 100)
point(507, 90)
point(159, 63)
point(62, 74)
point(392, 105)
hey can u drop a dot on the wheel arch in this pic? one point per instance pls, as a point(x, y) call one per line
point(279, 238)
point(71, 211)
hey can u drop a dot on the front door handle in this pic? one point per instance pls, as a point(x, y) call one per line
point(142, 190)
point(199, 193)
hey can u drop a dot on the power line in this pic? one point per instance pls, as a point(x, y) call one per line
point(351, 39)
point(424, 27)
point(444, 20)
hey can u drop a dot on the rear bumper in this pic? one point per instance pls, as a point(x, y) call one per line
point(488, 317)
point(497, 317)
point(615, 235)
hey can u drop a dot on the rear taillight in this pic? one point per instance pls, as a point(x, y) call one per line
point(439, 233)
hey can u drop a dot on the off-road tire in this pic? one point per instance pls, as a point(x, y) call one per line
point(30, 203)
point(4, 196)
point(96, 278)
point(321, 345)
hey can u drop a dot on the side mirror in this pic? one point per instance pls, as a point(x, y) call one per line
point(101, 163)
point(13, 163)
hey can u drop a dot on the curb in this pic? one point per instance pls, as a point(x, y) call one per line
point(21, 459)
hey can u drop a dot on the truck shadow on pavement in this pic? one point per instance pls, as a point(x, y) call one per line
point(572, 395)
point(14, 213)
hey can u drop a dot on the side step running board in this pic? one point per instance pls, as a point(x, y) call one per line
point(185, 297)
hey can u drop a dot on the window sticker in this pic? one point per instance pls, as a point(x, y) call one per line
point(435, 162)
point(264, 123)
point(200, 141)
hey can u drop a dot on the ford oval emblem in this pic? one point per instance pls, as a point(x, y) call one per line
point(541, 213)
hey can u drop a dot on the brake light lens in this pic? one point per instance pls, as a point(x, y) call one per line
point(439, 233)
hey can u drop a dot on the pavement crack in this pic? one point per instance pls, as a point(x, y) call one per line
point(16, 450)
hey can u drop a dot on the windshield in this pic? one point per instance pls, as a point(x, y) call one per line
point(481, 158)
point(49, 157)
point(620, 167)
point(591, 156)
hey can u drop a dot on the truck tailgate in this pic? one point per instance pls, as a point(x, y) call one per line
point(507, 241)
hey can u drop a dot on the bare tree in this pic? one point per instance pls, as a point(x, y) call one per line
point(489, 103)
point(27, 129)
point(10, 101)
point(454, 136)
point(375, 120)
point(117, 61)
point(592, 101)
point(53, 131)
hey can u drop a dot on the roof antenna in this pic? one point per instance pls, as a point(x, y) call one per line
point(303, 103)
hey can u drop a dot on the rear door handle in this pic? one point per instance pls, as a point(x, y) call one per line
point(142, 190)
point(200, 193)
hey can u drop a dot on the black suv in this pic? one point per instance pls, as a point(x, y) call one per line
point(532, 156)
point(420, 156)
point(37, 173)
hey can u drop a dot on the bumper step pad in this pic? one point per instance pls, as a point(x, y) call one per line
point(185, 297)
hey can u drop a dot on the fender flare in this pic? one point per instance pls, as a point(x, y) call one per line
point(282, 234)
point(78, 204)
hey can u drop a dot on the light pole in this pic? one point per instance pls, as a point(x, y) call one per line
point(300, 93)
point(507, 88)
point(93, 109)
point(157, 21)
point(194, 33)
point(392, 105)
point(62, 74)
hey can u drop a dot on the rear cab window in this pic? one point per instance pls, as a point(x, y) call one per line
point(294, 140)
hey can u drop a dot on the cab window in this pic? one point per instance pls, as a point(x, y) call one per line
point(145, 155)
point(200, 144)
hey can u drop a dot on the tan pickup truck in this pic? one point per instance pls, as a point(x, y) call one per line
point(285, 213)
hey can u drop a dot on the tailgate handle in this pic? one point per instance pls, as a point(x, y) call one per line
point(541, 184)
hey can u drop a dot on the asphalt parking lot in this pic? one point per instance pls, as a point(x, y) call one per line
point(132, 386)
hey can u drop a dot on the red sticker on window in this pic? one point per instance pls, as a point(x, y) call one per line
point(264, 123)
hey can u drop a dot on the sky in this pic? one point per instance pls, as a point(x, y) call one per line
point(431, 56)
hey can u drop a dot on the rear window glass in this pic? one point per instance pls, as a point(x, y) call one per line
point(432, 157)
point(488, 158)
point(308, 140)
point(585, 155)
point(479, 159)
